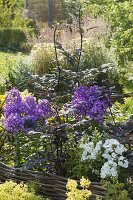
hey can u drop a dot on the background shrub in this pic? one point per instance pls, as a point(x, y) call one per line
point(14, 38)
point(42, 58)
point(95, 55)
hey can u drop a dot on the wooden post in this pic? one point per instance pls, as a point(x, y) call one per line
point(26, 3)
point(50, 11)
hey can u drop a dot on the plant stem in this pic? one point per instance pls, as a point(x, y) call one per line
point(17, 151)
point(81, 37)
point(57, 61)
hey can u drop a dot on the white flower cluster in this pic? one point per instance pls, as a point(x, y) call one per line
point(90, 151)
point(111, 151)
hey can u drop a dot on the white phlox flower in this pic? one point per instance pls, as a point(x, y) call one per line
point(98, 146)
point(93, 155)
point(109, 169)
point(107, 156)
point(113, 154)
point(120, 149)
point(125, 164)
point(89, 147)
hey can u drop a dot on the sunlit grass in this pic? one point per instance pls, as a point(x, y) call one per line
point(5, 59)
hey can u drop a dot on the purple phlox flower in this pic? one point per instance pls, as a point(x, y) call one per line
point(88, 101)
point(44, 108)
point(24, 114)
point(13, 103)
point(14, 123)
point(30, 107)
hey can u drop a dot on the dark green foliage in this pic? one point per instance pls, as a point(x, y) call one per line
point(47, 85)
point(13, 38)
point(24, 147)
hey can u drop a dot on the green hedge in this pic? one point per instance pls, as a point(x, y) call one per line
point(14, 39)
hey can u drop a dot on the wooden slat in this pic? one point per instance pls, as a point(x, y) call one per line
point(48, 184)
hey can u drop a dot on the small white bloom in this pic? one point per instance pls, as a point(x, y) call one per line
point(98, 145)
point(120, 163)
point(89, 147)
point(107, 156)
point(93, 155)
point(110, 162)
point(113, 155)
point(119, 150)
point(114, 164)
point(103, 175)
point(121, 158)
point(110, 149)
point(105, 170)
point(110, 142)
point(125, 165)
point(113, 172)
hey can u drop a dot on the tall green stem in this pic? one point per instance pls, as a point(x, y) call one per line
point(17, 151)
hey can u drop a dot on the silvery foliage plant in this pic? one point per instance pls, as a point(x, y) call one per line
point(111, 155)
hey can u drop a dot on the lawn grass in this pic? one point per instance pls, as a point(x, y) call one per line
point(6, 59)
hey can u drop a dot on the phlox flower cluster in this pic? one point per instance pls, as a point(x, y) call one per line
point(23, 113)
point(90, 150)
point(88, 101)
point(111, 152)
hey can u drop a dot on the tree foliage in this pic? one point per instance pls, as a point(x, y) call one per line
point(11, 14)
point(120, 16)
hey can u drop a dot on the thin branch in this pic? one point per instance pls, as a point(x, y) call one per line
point(81, 37)
point(57, 61)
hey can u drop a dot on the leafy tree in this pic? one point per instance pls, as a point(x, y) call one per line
point(11, 14)
point(120, 16)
